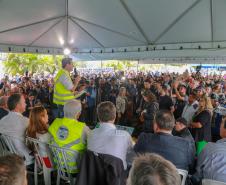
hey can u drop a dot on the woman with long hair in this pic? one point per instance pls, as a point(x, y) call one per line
point(121, 104)
point(201, 125)
point(151, 106)
point(38, 129)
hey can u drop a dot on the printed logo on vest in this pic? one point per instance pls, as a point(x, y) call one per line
point(62, 133)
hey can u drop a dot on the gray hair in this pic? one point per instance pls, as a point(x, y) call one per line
point(152, 169)
point(72, 108)
point(165, 120)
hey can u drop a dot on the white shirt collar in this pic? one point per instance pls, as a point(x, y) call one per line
point(107, 125)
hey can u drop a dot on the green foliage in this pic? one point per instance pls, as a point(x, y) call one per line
point(34, 63)
point(120, 64)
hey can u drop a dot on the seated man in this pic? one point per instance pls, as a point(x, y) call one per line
point(15, 124)
point(106, 139)
point(175, 149)
point(181, 130)
point(12, 170)
point(212, 160)
point(68, 132)
point(153, 169)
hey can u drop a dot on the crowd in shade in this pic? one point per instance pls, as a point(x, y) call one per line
point(181, 118)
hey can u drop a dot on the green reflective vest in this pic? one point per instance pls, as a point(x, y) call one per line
point(67, 133)
point(61, 94)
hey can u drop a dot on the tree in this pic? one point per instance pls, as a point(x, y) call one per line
point(33, 63)
point(119, 64)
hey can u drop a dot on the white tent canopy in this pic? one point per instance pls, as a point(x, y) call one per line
point(115, 29)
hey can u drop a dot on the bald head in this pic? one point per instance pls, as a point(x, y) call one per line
point(72, 108)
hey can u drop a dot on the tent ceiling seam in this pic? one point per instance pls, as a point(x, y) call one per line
point(211, 20)
point(67, 29)
point(31, 24)
point(42, 34)
point(83, 29)
point(135, 21)
point(108, 29)
point(171, 25)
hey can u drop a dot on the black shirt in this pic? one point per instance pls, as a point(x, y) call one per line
point(165, 102)
point(203, 133)
point(179, 106)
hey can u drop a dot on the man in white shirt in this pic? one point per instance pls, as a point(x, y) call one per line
point(15, 125)
point(106, 139)
point(190, 108)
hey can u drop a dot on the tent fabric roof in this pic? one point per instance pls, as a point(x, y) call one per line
point(100, 29)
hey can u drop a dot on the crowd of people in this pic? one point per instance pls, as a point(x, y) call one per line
point(179, 117)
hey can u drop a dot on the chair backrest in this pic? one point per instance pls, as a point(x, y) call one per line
point(38, 147)
point(95, 168)
point(16, 145)
point(184, 175)
point(4, 150)
point(64, 159)
point(212, 182)
point(8, 144)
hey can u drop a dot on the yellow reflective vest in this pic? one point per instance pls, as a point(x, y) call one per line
point(67, 133)
point(61, 94)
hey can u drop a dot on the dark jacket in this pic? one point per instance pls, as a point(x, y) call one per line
point(151, 109)
point(185, 133)
point(101, 169)
point(175, 149)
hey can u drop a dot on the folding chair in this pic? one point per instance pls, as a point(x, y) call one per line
point(4, 150)
point(184, 175)
point(9, 146)
point(212, 182)
point(63, 157)
point(40, 163)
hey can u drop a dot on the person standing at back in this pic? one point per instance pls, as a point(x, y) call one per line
point(64, 88)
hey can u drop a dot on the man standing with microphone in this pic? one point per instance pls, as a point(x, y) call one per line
point(64, 88)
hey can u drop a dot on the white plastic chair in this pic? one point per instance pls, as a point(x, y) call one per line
point(212, 182)
point(62, 158)
point(8, 144)
point(39, 162)
point(184, 175)
point(4, 150)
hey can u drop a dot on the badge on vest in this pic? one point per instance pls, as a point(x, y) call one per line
point(62, 133)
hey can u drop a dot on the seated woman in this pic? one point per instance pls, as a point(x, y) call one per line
point(38, 129)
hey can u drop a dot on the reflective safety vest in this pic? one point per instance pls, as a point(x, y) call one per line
point(61, 94)
point(67, 133)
